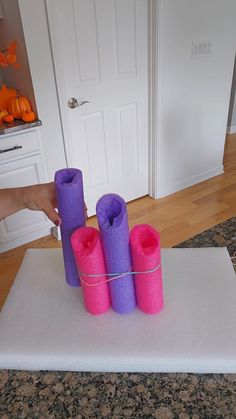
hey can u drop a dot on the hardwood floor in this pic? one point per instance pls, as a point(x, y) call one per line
point(177, 217)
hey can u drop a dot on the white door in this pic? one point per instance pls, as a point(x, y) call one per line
point(100, 50)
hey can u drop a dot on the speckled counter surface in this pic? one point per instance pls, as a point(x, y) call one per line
point(90, 395)
point(96, 395)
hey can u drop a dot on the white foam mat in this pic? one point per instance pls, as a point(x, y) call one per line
point(44, 326)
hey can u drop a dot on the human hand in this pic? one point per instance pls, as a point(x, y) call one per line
point(35, 197)
point(42, 198)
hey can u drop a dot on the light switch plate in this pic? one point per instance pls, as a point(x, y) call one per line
point(201, 49)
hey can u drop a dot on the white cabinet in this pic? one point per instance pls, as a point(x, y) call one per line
point(22, 164)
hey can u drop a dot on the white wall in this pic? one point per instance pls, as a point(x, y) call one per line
point(10, 30)
point(193, 94)
point(34, 21)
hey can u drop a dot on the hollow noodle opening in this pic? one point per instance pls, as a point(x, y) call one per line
point(86, 242)
point(69, 176)
point(148, 242)
point(113, 211)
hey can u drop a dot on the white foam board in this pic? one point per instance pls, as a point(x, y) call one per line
point(43, 324)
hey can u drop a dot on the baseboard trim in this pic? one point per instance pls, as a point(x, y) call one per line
point(169, 190)
point(231, 130)
point(56, 232)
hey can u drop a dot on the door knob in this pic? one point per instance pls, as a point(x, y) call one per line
point(73, 102)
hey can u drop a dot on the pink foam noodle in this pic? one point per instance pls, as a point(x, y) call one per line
point(146, 256)
point(88, 253)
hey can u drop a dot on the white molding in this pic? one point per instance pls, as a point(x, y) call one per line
point(56, 232)
point(190, 181)
point(232, 129)
point(151, 95)
point(154, 22)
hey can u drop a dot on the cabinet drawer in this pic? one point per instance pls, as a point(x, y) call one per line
point(18, 145)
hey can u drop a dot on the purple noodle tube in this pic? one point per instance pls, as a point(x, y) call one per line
point(113, 224)
point(70, 201)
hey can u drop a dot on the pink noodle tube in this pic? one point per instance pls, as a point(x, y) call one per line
point(88, 254)
point(145, 253)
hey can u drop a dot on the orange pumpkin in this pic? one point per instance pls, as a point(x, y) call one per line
point(28, 116)
point(18, 105)
point(2, 114)
point(5, 95)
point(8, 118)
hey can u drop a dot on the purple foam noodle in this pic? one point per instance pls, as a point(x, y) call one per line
point(70, 201)
point(113, 224)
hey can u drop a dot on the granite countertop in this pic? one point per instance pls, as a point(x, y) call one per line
point(47, 395)
point(17, 125)
point(58, 394)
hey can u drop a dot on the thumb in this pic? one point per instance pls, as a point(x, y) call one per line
point(52, 215)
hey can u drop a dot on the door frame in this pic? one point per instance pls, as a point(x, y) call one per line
point(153, 93)
point(153, 90)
